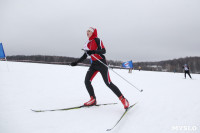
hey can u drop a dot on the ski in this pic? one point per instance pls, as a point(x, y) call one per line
point(76, 107)
point(121, 117)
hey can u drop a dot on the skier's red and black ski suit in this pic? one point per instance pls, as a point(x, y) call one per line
point(95, 44)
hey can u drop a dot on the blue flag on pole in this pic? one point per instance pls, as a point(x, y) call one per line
point(2, 54)
point(128, 64)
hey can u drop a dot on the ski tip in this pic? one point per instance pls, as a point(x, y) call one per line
point(36, 110)
point(108, 129)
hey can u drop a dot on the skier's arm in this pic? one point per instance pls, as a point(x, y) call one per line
point(79, 60)
point(82, 58)
point(100, 50)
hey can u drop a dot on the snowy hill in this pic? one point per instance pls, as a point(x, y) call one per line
point(168, 104)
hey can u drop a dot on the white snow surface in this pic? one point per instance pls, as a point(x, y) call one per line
point(168, 104)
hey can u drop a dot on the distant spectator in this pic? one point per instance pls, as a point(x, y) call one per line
point(187, 70)
point(139, 68)
point(174, 70)
point(130, 70)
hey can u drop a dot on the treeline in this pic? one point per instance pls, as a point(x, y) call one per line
point(55, 60)
point(45, 59)
point(174, 65)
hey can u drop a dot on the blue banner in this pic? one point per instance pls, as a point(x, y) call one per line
point(2, 54)
point(128, 64)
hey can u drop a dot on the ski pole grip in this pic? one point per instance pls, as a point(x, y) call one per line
point(84, 50)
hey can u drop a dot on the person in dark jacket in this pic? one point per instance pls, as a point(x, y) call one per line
point(187, 70)
point(95, 49)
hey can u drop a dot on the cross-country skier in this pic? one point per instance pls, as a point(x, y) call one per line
point(187, 70)
point(94, 47)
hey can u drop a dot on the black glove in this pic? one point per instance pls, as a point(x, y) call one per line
point(74, 63)
point(91, 52)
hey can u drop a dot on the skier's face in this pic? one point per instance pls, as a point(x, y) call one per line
point(89, 33)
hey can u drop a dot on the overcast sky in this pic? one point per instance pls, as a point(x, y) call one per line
point(141, 30)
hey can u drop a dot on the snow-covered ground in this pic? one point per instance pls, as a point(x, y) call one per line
point(169, 103)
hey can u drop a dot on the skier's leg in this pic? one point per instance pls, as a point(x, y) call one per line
point(106, 77)
point(88, 79)
point(189, 74)
point(185, 74)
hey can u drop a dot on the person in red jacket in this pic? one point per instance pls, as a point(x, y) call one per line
point(95, 49)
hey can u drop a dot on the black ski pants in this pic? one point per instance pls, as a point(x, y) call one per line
point(96, 67)
point(187, 72)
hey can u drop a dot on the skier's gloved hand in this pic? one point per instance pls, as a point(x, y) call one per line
point(90, 52)
point(74, 63)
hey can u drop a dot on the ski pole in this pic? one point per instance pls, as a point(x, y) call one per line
point(116, 73)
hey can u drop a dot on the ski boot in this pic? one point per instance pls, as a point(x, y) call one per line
point(91, 102)
point(124, 101)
